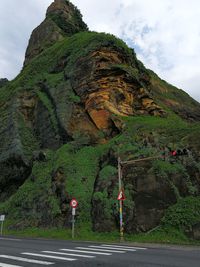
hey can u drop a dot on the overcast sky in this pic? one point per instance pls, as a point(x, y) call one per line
point(164, 33)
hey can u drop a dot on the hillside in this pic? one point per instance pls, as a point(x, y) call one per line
point(82, 100)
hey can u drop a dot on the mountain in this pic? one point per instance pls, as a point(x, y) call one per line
point(82, 100)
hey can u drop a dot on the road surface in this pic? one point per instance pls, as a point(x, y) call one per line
point(17, 252)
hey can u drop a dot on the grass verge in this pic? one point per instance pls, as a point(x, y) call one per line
point(84, 233)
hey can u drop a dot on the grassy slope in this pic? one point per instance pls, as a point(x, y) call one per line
point(171, 97)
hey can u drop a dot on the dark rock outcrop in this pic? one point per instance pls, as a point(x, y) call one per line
point(195, 233)
point(3, 81)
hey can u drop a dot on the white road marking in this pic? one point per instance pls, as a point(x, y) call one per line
point(8, 265)
point(68, 254)
point(86, 251)
point(123, 247)
point(103, 250)
point(25, 260)
point(113, 248)
point(48, 256)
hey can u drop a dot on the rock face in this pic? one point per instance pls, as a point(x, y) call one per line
point(111, 89)
point(62, 19)
point(196, 232)
point(3, 82)
point(82, 100)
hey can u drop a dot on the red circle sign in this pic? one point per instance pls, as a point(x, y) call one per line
point(74, 203)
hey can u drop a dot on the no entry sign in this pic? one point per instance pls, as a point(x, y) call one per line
point(74, 203)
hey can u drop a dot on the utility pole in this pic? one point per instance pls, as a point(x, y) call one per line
point(120, 201)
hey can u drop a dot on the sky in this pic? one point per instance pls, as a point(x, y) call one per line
point(164, 33)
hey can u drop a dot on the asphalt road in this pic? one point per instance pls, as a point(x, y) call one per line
point(16, 252)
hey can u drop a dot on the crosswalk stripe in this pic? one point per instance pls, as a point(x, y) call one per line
point(123, 247)
point(25, 259)
point(8, 265)
point(68, 254)
point(48, 256)
point(103, 250)
point(86, 251)
point(113, 248)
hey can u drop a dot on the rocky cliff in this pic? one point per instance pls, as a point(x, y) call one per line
point(81, 100)
point(62, 20)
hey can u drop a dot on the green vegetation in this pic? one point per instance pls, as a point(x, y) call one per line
point(47, 103)
point(28, 140)
point(184, 214)
point(89, 172)
point(69, 26)
point(36, 202)
point(72, 48)
point(177, 99)
point(160, 235)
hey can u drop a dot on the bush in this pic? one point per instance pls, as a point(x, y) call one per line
point(184, 214)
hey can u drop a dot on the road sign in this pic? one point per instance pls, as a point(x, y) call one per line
point(2, 218)
point(74, 203)
point(121, 196)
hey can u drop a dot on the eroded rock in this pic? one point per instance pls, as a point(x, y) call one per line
point(62, 19)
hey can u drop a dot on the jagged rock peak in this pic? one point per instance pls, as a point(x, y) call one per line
point(62, 19)
point(66, 16)
point(3, 81)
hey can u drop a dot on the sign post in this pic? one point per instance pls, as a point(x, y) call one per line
point(73, 204)
point(121, 197)
point(2, 219)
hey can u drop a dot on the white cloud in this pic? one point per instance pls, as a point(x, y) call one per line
point(16, 24)
point(165, 34)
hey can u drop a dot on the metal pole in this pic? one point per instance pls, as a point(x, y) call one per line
point(73, 221)
point(120, 201)
point(72, 226)
point(2, 228)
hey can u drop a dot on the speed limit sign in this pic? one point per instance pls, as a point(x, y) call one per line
point(74, 203)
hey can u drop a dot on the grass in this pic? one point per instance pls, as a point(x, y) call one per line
point(47, 103)
point(164, 91)
point(163, 236)
point(84, 233)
